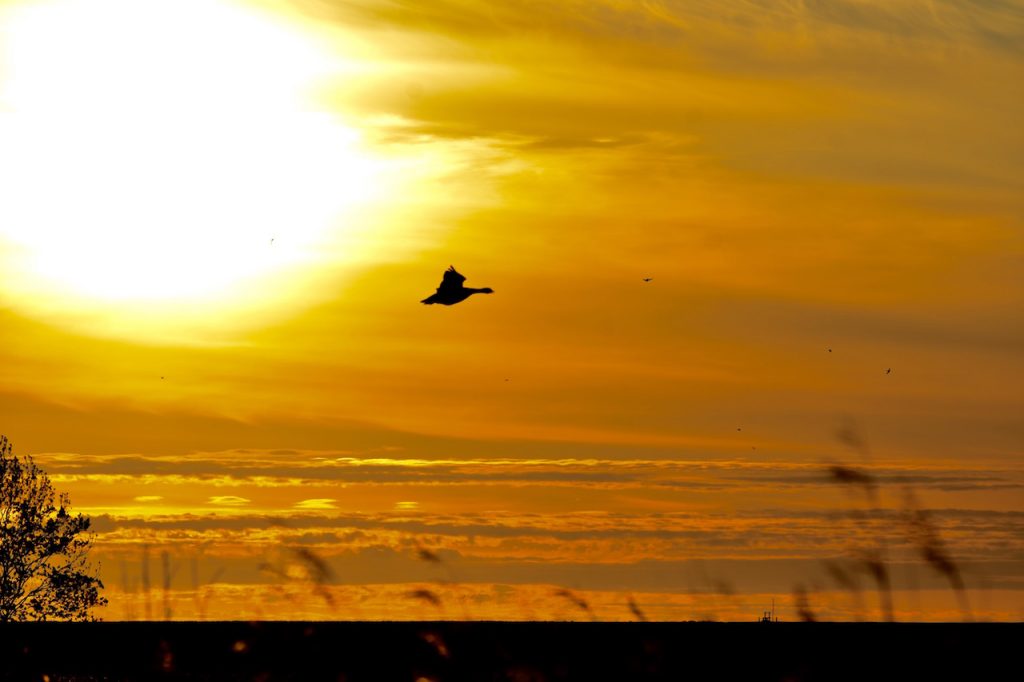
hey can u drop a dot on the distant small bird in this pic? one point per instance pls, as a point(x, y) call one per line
point(648, 279)
point(161, 377)
point(829, 350)
point(452, 291)
point(889, 371)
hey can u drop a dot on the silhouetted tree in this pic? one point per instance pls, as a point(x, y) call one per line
point(44, 571)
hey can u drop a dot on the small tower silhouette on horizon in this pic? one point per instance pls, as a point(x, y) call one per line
point(769, 616)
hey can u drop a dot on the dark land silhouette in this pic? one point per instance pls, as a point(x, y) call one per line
point(452, 290)
point(475, 651)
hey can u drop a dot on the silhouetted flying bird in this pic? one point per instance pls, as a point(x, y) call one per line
point(451, 290)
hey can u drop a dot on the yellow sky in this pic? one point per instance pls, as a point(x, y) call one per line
point(218, 219)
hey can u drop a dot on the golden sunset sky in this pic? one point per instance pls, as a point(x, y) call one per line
point(218, 217)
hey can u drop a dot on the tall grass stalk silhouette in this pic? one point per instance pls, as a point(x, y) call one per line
point(144, 577)
point(802, 604)
point(168, 571)
point(201, 590)
point(920, 530)
point(925, 537)
point(577, 601)
point(128, 592)
point(302, 568)
point(635, 609)
point(426, 596)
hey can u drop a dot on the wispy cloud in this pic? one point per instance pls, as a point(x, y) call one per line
point(294, 468)
point(319, 503)
point(229, 500)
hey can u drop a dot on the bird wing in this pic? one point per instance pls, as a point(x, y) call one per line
point(451, 280)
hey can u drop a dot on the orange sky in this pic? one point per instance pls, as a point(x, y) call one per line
point(211, 260)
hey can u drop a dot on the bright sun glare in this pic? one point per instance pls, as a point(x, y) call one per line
point(157, 153)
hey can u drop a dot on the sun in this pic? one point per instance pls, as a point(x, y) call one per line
point(163, 156)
